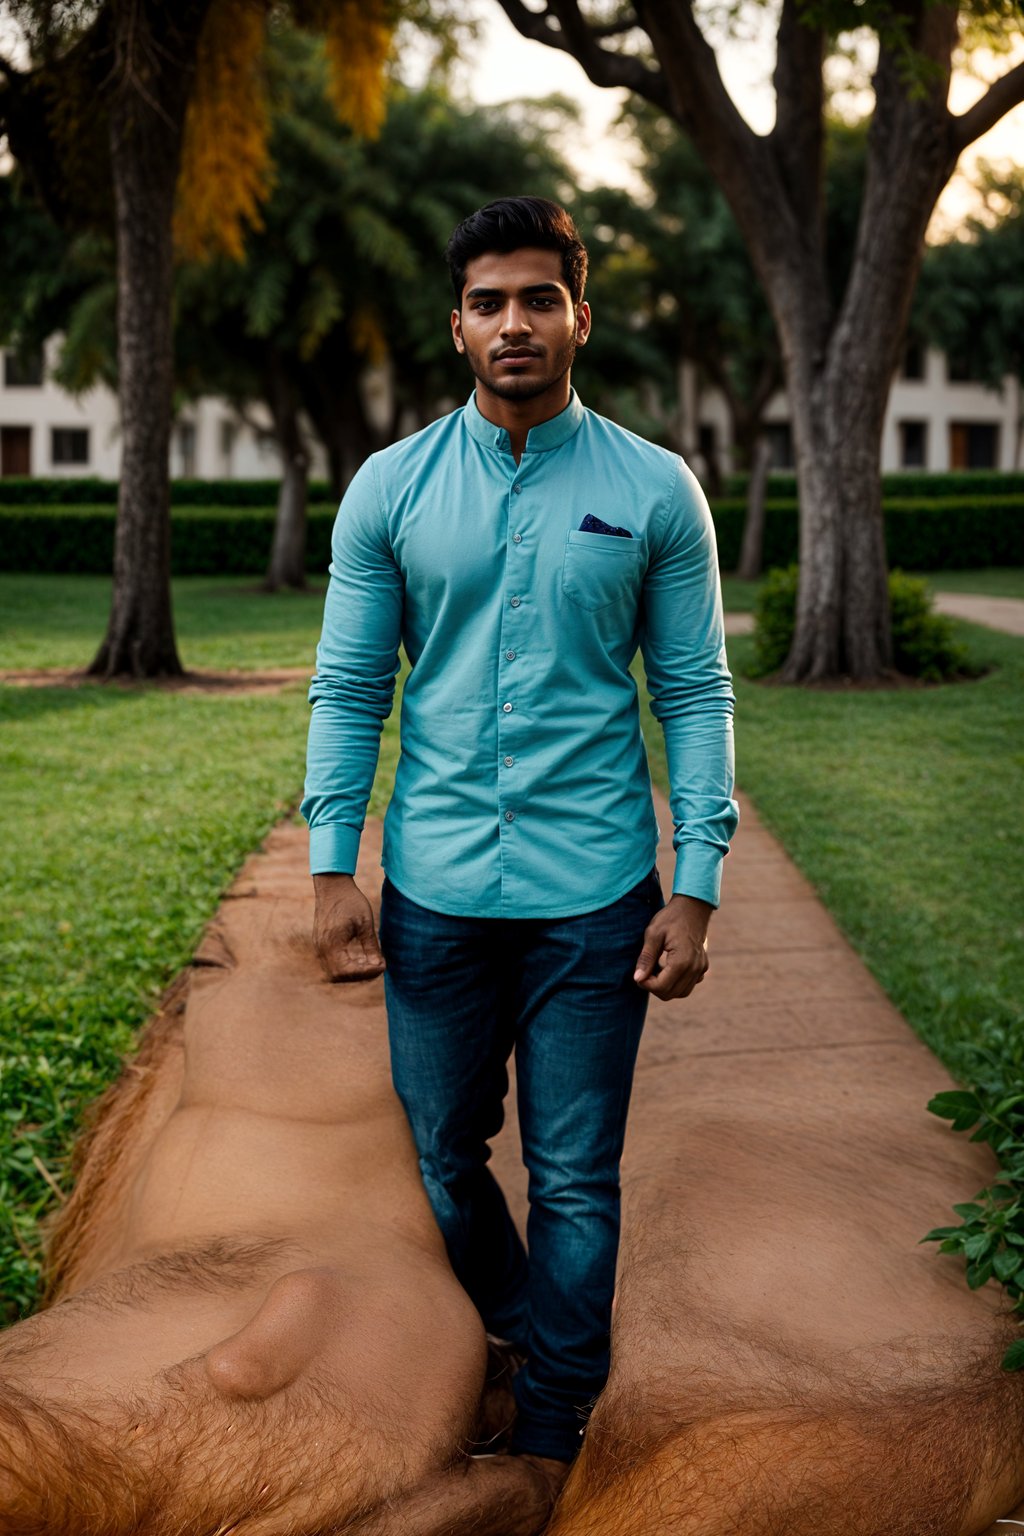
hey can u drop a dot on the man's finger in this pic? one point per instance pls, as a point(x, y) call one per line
point(676, 979)
point(648, 958)
point(356, 960)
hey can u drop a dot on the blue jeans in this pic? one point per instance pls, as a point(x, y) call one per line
point(462, 992)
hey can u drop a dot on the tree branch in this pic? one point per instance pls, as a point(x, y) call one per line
point(563, 26)
point(798, 136)
point(1002, 95)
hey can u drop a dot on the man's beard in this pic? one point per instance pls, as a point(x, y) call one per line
point(518, 387)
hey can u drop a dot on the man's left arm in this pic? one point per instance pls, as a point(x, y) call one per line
point(683, 646)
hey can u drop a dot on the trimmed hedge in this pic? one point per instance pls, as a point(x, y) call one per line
point(21, 491)
point(902, 483)
point(921, 535)
point(205, 541)
point(93, 492)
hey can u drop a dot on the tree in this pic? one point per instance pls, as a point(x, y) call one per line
point(839, 352)
point(970, 299)
point(123, 75)
point(347, 269)
point(710, 301)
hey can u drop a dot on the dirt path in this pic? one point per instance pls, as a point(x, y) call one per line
point(270, 680)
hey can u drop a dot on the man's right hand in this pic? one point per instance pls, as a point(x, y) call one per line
point(343, 930)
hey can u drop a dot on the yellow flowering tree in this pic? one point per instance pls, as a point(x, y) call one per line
point(173, 99)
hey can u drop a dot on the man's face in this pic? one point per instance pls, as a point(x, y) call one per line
point(518, 326)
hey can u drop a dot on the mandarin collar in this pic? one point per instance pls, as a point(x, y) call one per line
point(540, 439)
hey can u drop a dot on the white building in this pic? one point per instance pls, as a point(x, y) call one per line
point(934, 421)
point(45, 431)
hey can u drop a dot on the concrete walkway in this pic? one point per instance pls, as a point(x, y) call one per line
point(1004, 613)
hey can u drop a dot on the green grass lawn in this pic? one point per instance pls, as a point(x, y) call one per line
point(998, 582)
point(221, 621)
point(125, 813)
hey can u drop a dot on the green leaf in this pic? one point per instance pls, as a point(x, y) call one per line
point(969, 1210)
point(979, 1274)
point(954, 1102)
point(1013, 1360)
point(1005, 1265)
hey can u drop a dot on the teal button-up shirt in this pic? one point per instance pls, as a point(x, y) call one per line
point(522, 787)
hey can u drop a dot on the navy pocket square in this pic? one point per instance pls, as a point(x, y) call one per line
point(592, 524)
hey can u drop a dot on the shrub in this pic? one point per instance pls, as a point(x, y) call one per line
point(922, 640)
point(775, 619)
point(205, 541)
point(923, 643)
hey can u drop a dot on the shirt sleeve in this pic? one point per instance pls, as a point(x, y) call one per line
point(353, 690)
point(683, 645)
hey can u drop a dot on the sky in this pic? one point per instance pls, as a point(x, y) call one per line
point(505, 65)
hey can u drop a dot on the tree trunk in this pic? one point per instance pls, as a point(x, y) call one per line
point(842, 626)
point(155, 49)
point(752, 549)
point(838, 366)
point(287, 566)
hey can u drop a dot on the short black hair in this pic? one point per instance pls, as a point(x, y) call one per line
point(511, 223)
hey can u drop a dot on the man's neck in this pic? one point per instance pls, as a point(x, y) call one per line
point(519, 416)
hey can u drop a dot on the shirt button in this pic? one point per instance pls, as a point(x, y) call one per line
point(507, 708)
point(509, 761)
point(517, 538)
point(510, 815)
point(510, 655)
point(517, 488)
point(514, 602)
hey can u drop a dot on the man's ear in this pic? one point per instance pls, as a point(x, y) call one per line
point(460, 345)
point(275, 1346)
point(582, 323)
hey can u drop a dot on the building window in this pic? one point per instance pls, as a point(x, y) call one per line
point(960, 367)
point(185, 443)
point(779, 437)
point(973, 444)
point(23, 370)
point(913, 444)
point(228, 433)
point(913, 362)
point(69, 445)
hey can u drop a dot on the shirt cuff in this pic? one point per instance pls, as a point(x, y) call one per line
point(699, 872)
point(333, 849)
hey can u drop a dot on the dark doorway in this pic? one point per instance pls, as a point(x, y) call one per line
point(15, 450)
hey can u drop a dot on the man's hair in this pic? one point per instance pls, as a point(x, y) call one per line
point(511, 224)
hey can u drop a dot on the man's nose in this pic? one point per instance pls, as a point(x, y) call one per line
point(515, 320)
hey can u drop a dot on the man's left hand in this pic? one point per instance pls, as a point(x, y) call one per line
point(674, 957)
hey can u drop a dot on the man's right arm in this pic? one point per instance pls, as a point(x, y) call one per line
point(351, 694)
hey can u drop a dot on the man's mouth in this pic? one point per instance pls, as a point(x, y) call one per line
point(519, 355)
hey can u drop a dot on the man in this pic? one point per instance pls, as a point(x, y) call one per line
point(522, 549)
point(254, 1325)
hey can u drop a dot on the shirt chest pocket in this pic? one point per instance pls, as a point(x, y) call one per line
point(599, 568)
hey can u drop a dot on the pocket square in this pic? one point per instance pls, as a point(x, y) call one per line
point(592, 524)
